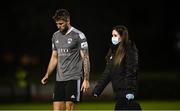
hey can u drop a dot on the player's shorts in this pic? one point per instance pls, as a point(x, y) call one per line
point(67, 91)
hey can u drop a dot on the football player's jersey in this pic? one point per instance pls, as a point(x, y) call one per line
point(68, 47)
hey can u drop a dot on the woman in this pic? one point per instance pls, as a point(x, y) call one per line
point(121, 70)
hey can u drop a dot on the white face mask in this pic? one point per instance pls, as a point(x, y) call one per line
point(115, 40)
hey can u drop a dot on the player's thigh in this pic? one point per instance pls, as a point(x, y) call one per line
point(73, 90)
point(59, 91)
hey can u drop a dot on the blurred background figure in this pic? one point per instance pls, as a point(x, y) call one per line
point(177, 51)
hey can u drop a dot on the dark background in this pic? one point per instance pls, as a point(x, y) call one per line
point(27, 28)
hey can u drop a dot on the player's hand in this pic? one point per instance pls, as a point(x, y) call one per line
point(85, 86)
point(44, 80)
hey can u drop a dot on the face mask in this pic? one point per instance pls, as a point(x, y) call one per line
point(115, 40)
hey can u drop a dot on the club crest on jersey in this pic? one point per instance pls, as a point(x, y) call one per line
point(69, 40)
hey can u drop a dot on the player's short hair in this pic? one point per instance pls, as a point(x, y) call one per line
point(61, 14)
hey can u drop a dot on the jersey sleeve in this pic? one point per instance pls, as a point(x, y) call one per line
point(53, 44)
point(83, 44)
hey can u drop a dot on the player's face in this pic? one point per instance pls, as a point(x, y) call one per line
point(62, 26)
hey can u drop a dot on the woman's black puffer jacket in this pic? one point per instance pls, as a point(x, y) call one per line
point(123, 77)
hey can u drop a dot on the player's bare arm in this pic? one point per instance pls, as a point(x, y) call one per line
point(86, 66)
point(51, 66)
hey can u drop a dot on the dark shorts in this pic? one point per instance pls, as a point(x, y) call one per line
point(67, 90)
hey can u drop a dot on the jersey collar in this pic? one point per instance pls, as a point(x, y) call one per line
point(70, 30)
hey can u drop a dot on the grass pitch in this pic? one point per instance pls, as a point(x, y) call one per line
point(146, 105)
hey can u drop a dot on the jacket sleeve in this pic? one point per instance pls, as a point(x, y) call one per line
point(131, 67)
point(102, 82)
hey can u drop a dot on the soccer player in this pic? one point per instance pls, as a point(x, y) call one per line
point(71, 59)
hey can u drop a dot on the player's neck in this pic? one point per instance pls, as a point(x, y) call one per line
point(69, 29)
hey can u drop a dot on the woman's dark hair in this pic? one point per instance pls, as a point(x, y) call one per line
point(120, 52)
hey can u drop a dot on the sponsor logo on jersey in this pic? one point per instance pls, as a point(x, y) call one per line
point(63, 52)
